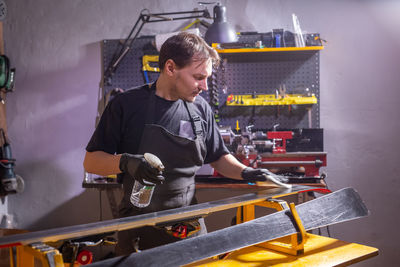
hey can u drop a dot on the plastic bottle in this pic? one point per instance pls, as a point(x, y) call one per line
point(141, 194)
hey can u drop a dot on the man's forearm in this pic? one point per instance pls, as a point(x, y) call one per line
point(101, 163)
point(229, 166)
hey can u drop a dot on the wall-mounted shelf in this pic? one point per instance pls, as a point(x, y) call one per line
point(270, 100)
point(265, 49)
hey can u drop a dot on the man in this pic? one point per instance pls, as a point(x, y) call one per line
point(170, 120)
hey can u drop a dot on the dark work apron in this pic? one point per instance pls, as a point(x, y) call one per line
point(181, 157)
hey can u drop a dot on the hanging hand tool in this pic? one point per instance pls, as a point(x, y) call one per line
point(237, 126)
point(146, 59)
point(8, 178)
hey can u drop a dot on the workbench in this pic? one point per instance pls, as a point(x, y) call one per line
point(318, 251)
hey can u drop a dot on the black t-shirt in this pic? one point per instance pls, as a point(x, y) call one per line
point(122, 123)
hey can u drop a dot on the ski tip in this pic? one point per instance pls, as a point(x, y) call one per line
point(357, 196)
point(354, 200)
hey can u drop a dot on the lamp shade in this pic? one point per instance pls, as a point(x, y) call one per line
point(220, 31)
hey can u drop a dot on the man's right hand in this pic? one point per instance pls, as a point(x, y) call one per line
point(139, 169)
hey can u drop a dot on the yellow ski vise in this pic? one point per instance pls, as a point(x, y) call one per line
point(293, 244)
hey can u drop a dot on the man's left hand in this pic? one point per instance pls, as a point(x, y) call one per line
point(253, 175)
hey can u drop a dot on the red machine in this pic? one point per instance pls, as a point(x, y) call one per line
point(260, 150)
point(279, 140)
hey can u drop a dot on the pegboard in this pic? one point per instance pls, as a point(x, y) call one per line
point(129, 73)
point(239, 73)
point(264, 73)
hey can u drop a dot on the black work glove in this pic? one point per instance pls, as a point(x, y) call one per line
point(139, 169)
point(253, 175)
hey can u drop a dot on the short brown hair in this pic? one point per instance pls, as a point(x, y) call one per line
point(184, 48)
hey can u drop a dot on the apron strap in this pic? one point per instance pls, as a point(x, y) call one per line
point(194, 119)
point(150, 113)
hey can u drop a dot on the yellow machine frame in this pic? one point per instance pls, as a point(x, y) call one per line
point(46, 255)
point(296, 245)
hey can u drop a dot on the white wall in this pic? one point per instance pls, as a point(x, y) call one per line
point(55, 47)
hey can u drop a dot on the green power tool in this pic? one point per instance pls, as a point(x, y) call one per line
point(7, 74)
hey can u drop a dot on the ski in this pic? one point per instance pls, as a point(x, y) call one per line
point(337, 207)
point(155, 218)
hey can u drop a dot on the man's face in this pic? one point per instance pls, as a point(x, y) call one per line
point(191, 80)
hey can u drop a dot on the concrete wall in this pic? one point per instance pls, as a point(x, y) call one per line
point(51, 115)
